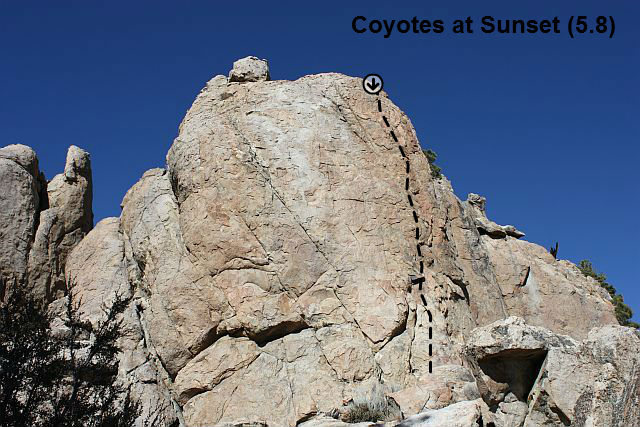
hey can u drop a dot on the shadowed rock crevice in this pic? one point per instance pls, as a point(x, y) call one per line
point(564, 419)
point(511, 371)
point(463, 287)
point(276, 332)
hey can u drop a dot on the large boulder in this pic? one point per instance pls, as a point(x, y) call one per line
point(297, 250)
point(530, 376)
point(21, 185)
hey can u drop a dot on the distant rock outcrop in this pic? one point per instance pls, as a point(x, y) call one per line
point(68, 218)
point(276, 271)
point(40, 222)
point(21, 198)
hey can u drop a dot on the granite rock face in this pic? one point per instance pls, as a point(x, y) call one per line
point(20, 202)
point(62, 226)
point(271, 265)
point(40, 222)
point(533, 377)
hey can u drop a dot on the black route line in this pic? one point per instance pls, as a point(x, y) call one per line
point(421, 279)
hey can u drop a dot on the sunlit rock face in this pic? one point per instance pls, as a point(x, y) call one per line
point(40, 221)
point(271, 263)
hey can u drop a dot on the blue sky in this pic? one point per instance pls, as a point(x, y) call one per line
point(546, 127)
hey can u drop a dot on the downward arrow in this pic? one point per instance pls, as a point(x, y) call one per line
point(373, 84)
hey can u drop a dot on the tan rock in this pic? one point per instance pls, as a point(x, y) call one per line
point(182, 309)
point(99, 271)
point(20, 187)
point(62, 225)
point(463, 414)
point(547, 292)
point(249, 69)
point(213, 365)
point(448, 384)
point(270, 267)
point(258, 396)
point(534, 377)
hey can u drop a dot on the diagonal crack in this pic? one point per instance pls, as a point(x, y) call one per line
point(275, 192)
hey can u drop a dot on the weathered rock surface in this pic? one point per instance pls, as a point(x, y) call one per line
point(270, 271)
point(100, 268)
point(41, 222)
point(19, 203)
point(462, 414)
point(532, 377)
point(545, 291)
point(476, 205)
point(67, 220)
point(249, 69)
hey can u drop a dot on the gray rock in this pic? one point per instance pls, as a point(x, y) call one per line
point(462, 414)
point(21, 185)
point(22, 155)
point(40, 223)
point(249, 69)
point(512, 231)
point(477, 207)
point(67, 220)
point(479, 202)
point(531, 376)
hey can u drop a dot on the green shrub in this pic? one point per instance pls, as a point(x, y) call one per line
point(622, 310)
point(60, 380)
point(362, 412)
point(431, 156)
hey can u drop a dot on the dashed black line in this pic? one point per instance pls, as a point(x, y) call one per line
point(421, 279)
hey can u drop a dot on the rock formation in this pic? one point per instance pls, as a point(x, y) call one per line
point(21, 198)
point(40, 222)
point(276, 271)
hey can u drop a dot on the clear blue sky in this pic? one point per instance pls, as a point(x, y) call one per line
point(546, 127)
